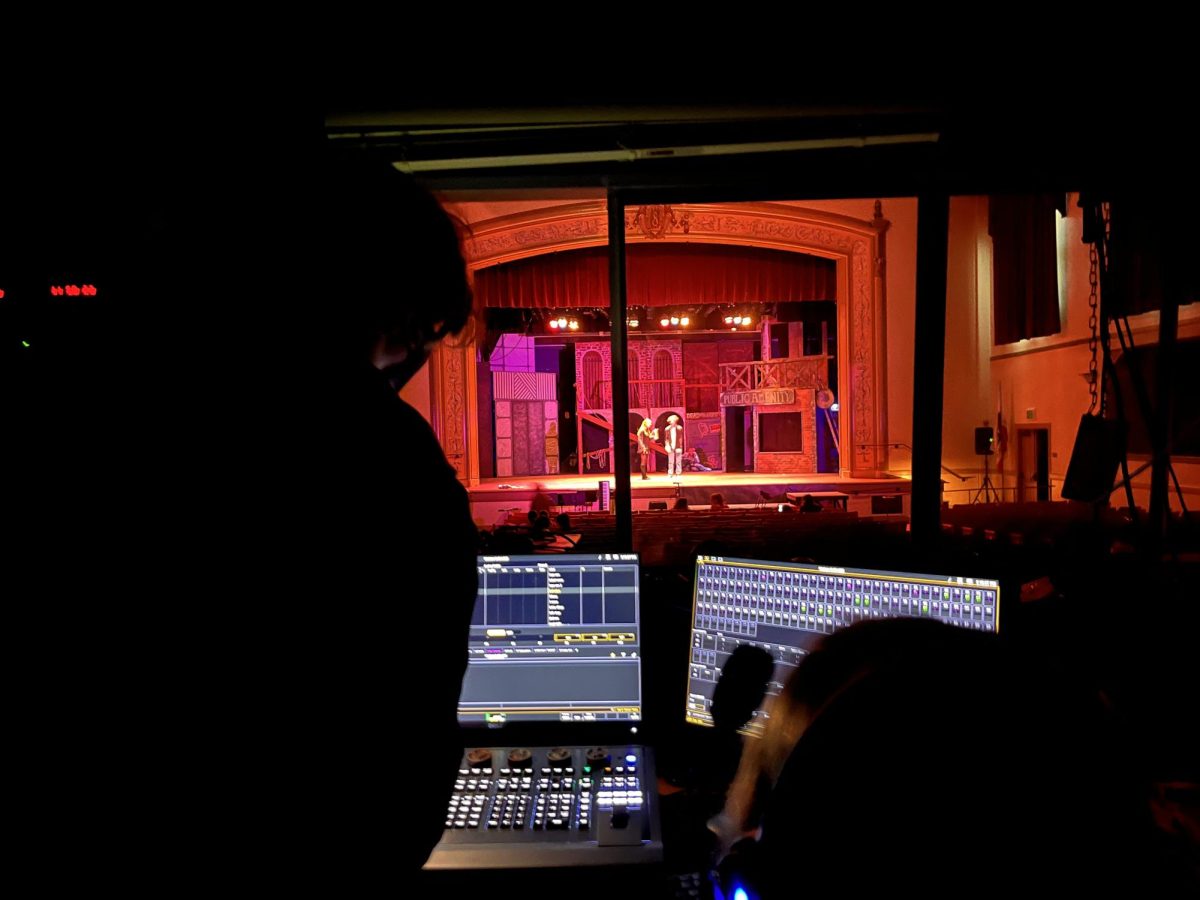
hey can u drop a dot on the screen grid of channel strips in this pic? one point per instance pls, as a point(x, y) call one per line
point(785, 608)
point(554, 639)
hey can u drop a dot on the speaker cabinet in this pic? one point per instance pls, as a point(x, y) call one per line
point(1099, 445)
point(983, 440)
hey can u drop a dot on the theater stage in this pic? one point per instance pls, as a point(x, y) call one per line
point(493, 499)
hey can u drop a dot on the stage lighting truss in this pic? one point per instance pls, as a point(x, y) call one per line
point(679, 318)
point(739, 319)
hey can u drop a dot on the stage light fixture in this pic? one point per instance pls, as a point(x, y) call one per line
point(664, 322)
point(729, 320)
point(746, 322)
point(674, 320)
point(633, 323)
point(737, 320)
point(554, 323)
point(685, 321)
point(574, 324)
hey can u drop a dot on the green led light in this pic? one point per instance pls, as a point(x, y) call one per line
point(24, 343)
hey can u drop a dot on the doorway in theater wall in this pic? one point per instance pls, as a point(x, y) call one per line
point(1033, 462)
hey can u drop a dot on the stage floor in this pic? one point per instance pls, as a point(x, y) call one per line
point(714, 480)
point(493, 498)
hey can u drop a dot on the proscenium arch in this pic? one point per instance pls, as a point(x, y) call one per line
point(857, 247)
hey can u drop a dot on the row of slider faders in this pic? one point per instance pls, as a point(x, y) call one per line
point(535, 807)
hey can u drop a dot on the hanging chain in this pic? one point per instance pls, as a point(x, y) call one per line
point(1093, 324)
point(1098, 246)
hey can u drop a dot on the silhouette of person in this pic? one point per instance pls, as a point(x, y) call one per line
point(394, 283)
point(713, 753)
point(645, 434)
point(1051, 796)
point(542, 500)
point(809, 504)
point(738, 693)
point(717, 501)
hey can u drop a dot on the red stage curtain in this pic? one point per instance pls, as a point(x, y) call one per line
point(658, 275)
point(1024, 266)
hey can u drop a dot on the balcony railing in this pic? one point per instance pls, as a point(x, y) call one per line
point(801, 372)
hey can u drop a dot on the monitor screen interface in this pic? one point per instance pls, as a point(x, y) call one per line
point(785, 608)
point(554, 638)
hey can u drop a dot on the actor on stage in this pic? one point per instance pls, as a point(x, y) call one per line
point(691, 457)
point(674, 446)
point(645, 434)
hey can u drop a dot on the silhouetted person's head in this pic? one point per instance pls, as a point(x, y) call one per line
point(912, 734)
point(741, 688)
point(717, 501)
point(393, 277)
point(680, 503)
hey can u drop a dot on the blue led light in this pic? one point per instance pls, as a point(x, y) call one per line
point(630, 758)
point(740, 894)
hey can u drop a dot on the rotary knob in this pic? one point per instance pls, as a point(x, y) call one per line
point(559, 757)
point(479, 758)
point(520, 758)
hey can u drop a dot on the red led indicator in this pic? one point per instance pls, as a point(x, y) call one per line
point(73, 290)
